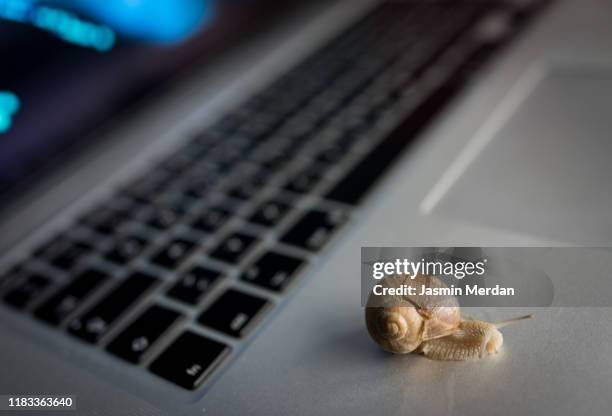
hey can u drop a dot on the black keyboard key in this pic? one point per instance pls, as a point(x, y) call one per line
point(305, 181)
point(194, 284)
point(270, 213)
point(249, 187)
point(331, 154)
point(272, 160)
point(106, 221)
point(234, 312)
point(273, 271)
point(26, 290)
point(69, 254)
point(174, 253)
point(244, 191)
point(175, 201)
point(133, 343)
point(56, 309)
point(96, 322)
point(199, 186)
point(211, 220)
point(189, 360)
point(10, 276)
point(314, 229)
point(126, 249)
point(162, 217)
point(234, 247)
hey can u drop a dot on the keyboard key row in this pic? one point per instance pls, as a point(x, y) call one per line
point(190, 357)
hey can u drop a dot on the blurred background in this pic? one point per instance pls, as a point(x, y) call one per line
point(68, 86)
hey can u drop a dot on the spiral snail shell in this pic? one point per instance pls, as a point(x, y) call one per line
point(430, 325)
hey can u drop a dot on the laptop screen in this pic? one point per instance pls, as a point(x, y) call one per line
point(57, 84)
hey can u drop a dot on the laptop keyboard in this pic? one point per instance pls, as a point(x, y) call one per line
point(177, 269)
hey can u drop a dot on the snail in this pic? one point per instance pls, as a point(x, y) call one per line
point(430, 325)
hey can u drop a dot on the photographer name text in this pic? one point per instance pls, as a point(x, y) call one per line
point(468, 290)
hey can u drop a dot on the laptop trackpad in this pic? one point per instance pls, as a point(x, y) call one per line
point(547, 169)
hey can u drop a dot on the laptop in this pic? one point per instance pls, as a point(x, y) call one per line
point(181, 224)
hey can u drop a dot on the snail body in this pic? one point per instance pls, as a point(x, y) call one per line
point(472, 340)
point(430, 325)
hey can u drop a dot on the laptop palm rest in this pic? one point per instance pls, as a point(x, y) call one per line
point(547, 169)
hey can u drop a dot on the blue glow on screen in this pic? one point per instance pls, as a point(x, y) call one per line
point(95, 24)
point(9, 105)
point(160, 21)
point(74, 30)
point(61, 23)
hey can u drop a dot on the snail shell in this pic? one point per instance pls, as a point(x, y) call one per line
point(402, 329)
